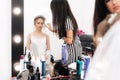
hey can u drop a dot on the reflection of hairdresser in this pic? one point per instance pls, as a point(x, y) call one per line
point(105, 63)
point(65, 25)
point(38, 42)
point(101, 17)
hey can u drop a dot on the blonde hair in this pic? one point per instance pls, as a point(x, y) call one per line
point(39, 17)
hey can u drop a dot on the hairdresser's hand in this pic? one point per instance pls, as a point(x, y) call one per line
point(97, 40)
point(48, 25)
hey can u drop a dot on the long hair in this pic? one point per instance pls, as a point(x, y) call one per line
point(60, 13)
point(100, 13)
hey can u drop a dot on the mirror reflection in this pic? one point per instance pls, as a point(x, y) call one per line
point(41, 8)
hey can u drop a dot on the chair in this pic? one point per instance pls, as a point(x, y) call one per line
point(86, 42)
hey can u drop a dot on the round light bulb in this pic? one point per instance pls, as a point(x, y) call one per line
point(17, 39)
point(17, 10)
point(17, 66)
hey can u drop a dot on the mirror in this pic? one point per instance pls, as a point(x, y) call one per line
point(40, 7)
point(23, 24)
point(17, 34)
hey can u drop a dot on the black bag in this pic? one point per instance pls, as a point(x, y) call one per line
point(61, 69)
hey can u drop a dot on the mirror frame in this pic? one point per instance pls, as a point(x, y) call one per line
point(17, 29)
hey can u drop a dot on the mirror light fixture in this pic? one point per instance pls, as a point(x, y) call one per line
point(17, 10)
point(17, 39)
point(17, 66)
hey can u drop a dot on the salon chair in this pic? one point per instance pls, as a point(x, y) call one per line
point(86, 42)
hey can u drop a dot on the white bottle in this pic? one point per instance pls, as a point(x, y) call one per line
point(21, 63)
point(26, 60)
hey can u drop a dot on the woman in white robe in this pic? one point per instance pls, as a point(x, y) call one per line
point(105, 64)
point(38, 43)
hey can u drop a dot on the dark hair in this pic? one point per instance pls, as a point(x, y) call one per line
point(39, 17)
point(60, 13)
point(100, 13)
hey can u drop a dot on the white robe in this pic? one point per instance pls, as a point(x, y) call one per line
point(38, 50)
point(105, 64)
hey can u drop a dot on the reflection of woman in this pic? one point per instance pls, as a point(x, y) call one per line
point(100, 13)
point(105, 63)
point(64, 24)
point(38, 42)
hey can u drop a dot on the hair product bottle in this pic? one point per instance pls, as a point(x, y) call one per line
point(64, 52)
point(37, 74)
point(43, 68)
point(21, 63)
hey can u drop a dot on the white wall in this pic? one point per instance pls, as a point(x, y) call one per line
point(82, 10)
point(5, 39)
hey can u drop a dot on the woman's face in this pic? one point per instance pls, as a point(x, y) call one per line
point(39, 24)
point(113, 6)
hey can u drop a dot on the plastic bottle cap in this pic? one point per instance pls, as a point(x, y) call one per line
point(63, 45)
point(43, 58)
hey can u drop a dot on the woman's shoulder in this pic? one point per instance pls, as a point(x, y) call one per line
point(46, 35)
point(30, 33)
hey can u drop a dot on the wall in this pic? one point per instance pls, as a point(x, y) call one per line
point(82, 10)
point(5, 39)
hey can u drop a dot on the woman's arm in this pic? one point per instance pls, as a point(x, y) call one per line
point(28, 42)
point(47, 53)
point(69, 38)
point(48, 25)
point(47, 42)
